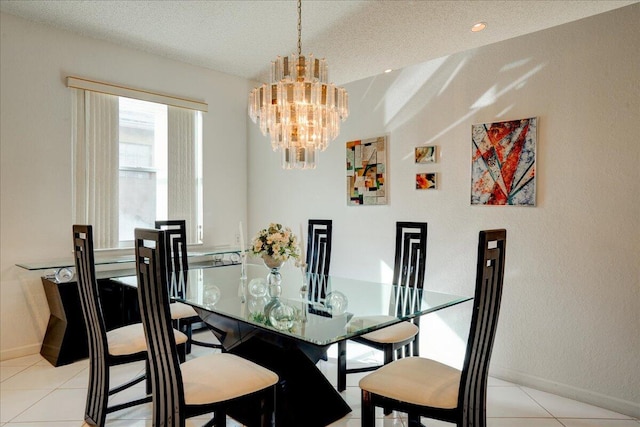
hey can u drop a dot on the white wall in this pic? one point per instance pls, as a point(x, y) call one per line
point(570, 314)
point(36, 154)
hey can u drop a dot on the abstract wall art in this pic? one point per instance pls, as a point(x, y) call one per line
point(503, 163)
point(367, 172)
point(426, 154)
point(426, 181)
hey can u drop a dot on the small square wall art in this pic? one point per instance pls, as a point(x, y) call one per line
point(426, 181)
point(367, 172)
point(503, 163)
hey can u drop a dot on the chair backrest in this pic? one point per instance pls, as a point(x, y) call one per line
point(166, 378)
point(484, 320)
point(318, 261)
point(411, 254)
point(319, 246)
point(94, 321)
point(176, 255)
point(409, 265)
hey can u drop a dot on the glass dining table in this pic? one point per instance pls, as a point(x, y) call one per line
point(288, 326)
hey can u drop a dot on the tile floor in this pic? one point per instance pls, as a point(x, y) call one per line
point(35, 394)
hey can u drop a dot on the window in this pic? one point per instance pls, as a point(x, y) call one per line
point(135, 161)
point(142, 184)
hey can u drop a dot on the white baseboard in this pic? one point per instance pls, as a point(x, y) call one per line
point(14, 353)
point(615, 404)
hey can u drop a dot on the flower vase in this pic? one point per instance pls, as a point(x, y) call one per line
point(274, 279)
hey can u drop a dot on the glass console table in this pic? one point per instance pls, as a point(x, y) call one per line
point(65, 339)
point(62, 269)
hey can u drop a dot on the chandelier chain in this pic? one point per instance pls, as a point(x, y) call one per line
point(299, 27)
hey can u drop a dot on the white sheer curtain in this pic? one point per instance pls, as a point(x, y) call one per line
point(182, 169)
point(96, 156)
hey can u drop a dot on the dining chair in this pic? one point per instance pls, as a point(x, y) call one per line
point(318, 261)
point(206, 384)
point(183, 315)
point(118, 346)
point(319, 246)
point(422, 387)
point(400, 339)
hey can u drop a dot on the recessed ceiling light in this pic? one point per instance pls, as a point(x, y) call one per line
point(479, 27)
point(388, 70)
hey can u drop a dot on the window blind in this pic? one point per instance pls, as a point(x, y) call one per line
point(95, 140)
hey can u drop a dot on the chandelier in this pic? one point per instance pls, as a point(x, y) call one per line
point(299, 110)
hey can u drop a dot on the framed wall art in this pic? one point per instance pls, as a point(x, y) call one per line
point(367, 172)
point(503, 163)
point(425, 154)
point(426, 181)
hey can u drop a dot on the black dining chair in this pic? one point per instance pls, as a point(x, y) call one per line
point(318, 261)
point(423, 387)
point(206, 384)
point(183, 315)
point(400, 339)
point(116, 347)
point(319, 233)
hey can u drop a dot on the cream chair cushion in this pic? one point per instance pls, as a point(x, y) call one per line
point(395, 333)
point(181, 311)
point(416, 380)
point(130, 339)
point(222, 376)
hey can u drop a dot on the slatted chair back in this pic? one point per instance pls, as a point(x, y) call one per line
point(409, 265)
point(319, 246)
point(95, 410)
point(166, 380)
point(484, 320)
point(318, 261)
point(176, 255)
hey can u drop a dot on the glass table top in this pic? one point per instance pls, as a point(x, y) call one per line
point(332, 309)
point(216, 253)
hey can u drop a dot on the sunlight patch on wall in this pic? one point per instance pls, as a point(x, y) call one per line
point(386, 272)
point(452, 76)
point(504, 112)
point(514, 65)
point(439, 342)
point(406, 85)
point(489, 97)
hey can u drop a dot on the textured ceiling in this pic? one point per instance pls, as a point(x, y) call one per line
point(359, 39)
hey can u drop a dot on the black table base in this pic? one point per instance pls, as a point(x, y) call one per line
point(65, 340)
point(304, 395)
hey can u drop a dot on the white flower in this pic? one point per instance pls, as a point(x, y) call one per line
point(276, 241)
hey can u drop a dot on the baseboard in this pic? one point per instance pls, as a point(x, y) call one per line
point(14, 353)
point(615, 404)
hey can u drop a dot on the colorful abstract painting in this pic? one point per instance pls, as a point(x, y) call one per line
point(367, 172)
point(503, 163)
point(426, 181)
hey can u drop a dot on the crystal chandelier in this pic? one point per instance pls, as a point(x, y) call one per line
point(299, 110)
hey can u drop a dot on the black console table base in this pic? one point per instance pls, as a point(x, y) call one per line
point(66, 338)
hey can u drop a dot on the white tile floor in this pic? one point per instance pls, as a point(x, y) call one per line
point(35, 394)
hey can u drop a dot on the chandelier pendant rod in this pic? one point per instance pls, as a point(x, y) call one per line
point(299, 27)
